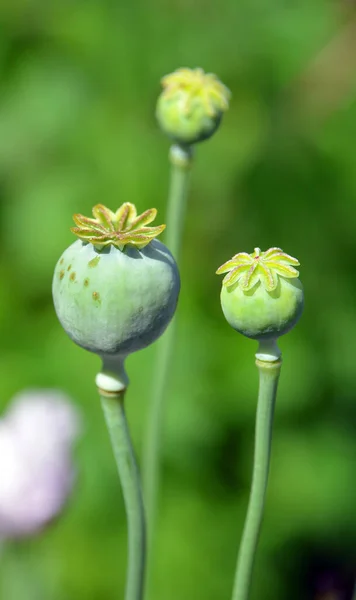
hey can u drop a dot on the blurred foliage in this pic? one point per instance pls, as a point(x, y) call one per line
point(78, 84)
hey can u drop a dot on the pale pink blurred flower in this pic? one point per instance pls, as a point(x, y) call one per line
point(36, 468)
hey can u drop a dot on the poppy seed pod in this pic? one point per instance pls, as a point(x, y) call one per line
point(261, 295)
point(116, 288)
point(191, 105)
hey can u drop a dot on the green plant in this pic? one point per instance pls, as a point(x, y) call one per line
point(115, 291)
point(189, 110)
point(262, 298)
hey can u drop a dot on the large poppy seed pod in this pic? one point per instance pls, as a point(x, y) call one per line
point(261, 295)
point(116, 288)
point(191, 105)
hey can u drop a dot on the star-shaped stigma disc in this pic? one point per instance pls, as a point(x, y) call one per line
point(246, 270)
point(197, 86)
point(121, 228)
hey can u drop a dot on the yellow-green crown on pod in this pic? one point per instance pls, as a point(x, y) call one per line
point(197, 85)
point(191, 104)
point(248, 269)
point(121, 228)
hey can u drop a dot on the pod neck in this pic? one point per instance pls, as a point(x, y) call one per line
point(268, 351)
point(112, 379)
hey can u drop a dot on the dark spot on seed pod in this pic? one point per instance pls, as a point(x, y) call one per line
point(61, 261)
point(61, 274)
point(94, 262)
point(72, 276)
point(69, 267)
point(96, 297)
point(86, 282)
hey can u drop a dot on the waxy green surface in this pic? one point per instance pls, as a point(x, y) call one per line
point(260, 314)
point(261, 294)
point(191, 105)
point(112, 301)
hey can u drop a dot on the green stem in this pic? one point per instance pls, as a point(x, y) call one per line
point(152, 447)
point(181, 159)
point(114, 412)
point(268, 377)
point(354, 594)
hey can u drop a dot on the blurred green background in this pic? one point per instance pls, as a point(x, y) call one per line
point(78, 85)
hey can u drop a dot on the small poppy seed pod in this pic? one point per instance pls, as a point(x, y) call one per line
point(191, 105)
point(261, 295)
point(116, 288)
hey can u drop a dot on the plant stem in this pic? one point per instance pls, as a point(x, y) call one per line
point(114, 412)
point(269, 372)
point(181, 160)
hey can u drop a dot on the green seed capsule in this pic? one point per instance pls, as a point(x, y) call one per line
point(122, 288)
point(191, 105)
point(261, 296)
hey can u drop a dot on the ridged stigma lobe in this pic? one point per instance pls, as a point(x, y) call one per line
point(120, 228)
point(246, 269)
point(196, 84)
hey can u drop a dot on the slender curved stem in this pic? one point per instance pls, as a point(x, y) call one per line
point(152, 447)
point(114, 412)
point(268, 376)
point(181, 159)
